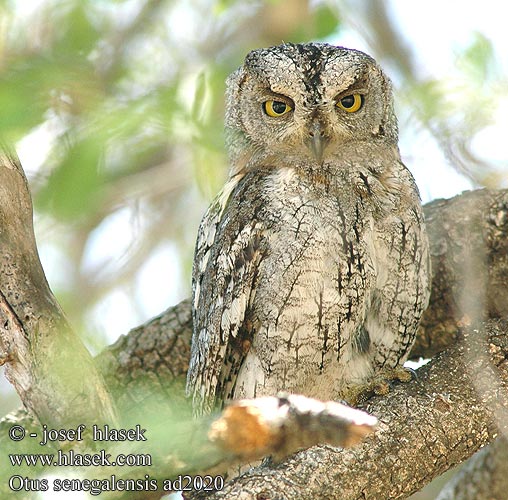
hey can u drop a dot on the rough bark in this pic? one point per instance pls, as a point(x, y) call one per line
point(152, 360)
point(442, 415)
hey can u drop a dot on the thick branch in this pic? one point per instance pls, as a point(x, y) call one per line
point(48, 365)
point(469, 247)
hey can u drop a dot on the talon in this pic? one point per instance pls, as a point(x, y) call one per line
point(403, 374)
point(355, 395)
point(343, 402)
point(382, 387)
point(413, 373)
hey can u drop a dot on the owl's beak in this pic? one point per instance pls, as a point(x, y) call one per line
point(317, 141)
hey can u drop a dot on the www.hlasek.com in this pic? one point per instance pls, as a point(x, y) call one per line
point(96, 486)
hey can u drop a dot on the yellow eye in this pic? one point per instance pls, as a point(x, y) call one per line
point(350, 103)
point(276, 108)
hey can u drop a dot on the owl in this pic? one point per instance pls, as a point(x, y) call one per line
point(311, 267)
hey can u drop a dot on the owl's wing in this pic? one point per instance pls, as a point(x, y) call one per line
point(228, 253)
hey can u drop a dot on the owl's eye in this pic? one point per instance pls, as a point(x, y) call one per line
point(276, 108)
point(350, 103)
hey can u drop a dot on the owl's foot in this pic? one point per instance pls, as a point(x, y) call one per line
point(355, 395)
point(383, 382)
point(380, 385)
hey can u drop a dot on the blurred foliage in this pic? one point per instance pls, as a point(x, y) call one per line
point(441, 106)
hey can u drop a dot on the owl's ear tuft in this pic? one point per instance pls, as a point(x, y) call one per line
point(235, 81)
point(253, 57)
point(387, 127)
point(237, 141)
point(234, 84)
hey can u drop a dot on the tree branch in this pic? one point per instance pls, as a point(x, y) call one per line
point(251, 429)
point(48, 365)
point(469, 248)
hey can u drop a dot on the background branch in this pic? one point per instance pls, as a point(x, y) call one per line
point(46, 362)
point(484, 477)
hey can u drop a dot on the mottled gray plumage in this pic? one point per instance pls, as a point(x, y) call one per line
point(311, 269)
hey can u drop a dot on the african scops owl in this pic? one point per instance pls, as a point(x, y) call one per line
point(311, 269)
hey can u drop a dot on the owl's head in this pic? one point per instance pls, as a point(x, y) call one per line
point(306, 101)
